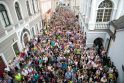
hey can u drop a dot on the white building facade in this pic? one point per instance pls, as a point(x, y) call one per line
point(20, 20)
point(95, 17)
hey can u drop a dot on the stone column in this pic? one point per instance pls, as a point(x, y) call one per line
point(119, 9)
point(92, 19)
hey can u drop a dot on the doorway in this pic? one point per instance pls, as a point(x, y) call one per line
point(26, 39)
point(98, 43)
point(2, 66)
point(16, 48)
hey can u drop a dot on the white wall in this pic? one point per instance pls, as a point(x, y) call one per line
point(62, 1)
point(116, 52)
point(45, 5)
point(120, 11)
point(91, 36)
point(54, 4)
point(16, 26)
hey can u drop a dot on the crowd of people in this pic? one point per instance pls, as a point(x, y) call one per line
point(61, 56)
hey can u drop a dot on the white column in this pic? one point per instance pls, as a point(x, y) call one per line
point(87, 15)
point(92, 18)
point(19, 40)
point(120, 9)
point(84, 7)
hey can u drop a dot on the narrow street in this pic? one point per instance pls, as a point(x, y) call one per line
point(60, 55)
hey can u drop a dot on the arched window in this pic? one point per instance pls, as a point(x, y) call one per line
point(104, 11)
point(18, 12)
point(4, 16)
point(28, 8)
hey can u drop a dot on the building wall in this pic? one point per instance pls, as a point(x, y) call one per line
point(116, 52)
point(34, 24)
point(54, 4)
point(6, 47)
point(91, 36)
point(2, 31)
point(87, 19)
point(88, 13)
point(15, 32)
point(45, 6)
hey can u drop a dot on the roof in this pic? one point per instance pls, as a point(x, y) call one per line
point(119, 23)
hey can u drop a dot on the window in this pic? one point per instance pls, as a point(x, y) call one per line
point(28, 8)
point(104, 11)
point(4, 16)
point(37, 3)
point(33, 6)
point(17, 8)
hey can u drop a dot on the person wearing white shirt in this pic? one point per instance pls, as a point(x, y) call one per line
point(103, 79)
point(45, 59)
point(24, 72)
point(30, 69)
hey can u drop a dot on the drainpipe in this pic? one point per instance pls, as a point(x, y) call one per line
point(111, 36)
point(109, 45)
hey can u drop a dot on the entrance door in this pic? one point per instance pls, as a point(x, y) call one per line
point(2, 66)
point(33, 32)
point(25, 39)
point(98, 42)
point(16, 49)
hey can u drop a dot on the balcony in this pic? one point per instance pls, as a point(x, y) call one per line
point(102, 26)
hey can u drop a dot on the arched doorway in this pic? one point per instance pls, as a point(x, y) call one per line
point(25, 39)
point(98, 43)
point(16, 48)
